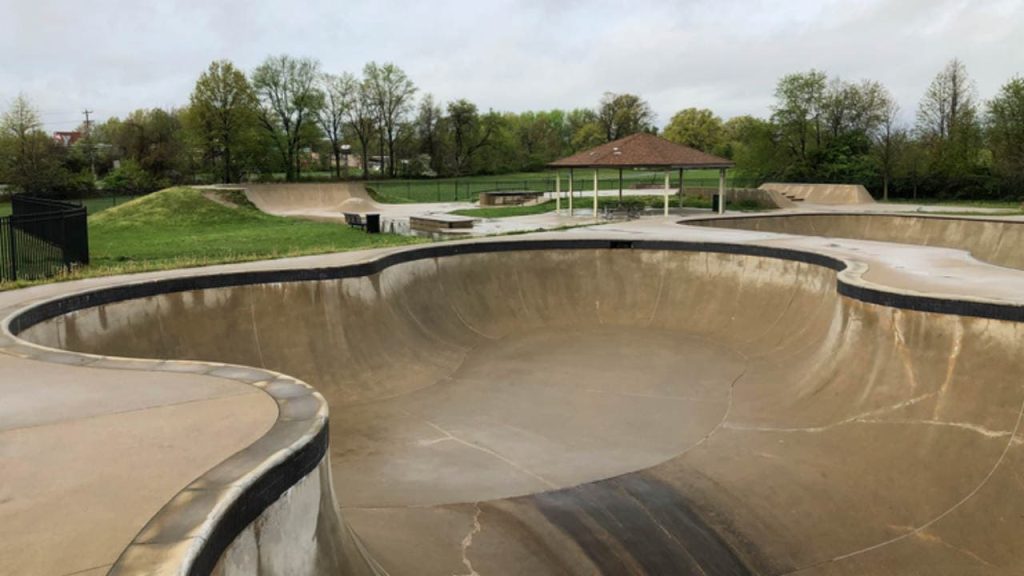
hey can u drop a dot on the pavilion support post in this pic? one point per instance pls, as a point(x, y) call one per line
point(721, 191)
point(682, 188)
point(570, 191)
point(595, 193)
point(620, 186)
point(558, 192)
point(667, 178)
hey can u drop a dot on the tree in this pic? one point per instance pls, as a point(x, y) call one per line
point(797, 113)
point(391, 92)
point(949, 127)
point(580, 131)
point(154, 138)
point(537, 138)
point(1006, 132)
point(948, 102)
point(288, 99)
point(468, 132)
point(29, 159)
point(428, 120)
point(889, 139)
point(620, 115)
point(340, 93)
point(696, 128)
point(753, 144)
point(362, 121)
point(222, 116)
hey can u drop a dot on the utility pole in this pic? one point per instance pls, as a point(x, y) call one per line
point(88, 142)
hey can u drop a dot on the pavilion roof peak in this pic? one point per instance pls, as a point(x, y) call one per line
point(641, 150)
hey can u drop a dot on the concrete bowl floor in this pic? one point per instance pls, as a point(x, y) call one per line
point(628, 412)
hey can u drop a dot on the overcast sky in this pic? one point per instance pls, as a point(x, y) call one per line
point(113, 56)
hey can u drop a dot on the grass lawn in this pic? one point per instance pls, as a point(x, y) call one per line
point(179, 228)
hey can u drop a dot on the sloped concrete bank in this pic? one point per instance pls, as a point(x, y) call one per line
point(997, 241)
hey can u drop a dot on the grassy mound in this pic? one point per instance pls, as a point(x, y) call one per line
point(181, 227)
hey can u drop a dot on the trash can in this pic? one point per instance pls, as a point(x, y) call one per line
point(715, 199)
point(373, 223)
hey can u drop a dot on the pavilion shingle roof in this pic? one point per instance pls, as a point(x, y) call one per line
point(641, 151)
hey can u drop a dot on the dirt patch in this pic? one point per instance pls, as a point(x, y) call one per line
point(230, 198)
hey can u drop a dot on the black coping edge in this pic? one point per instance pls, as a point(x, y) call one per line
point(275, 482)
point(266, 490)
point(709, 221)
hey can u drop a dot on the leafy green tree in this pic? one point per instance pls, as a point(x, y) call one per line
point(129, 177)
point(538, 138)
point(29, 159)
point(948, 104)
point(696, 128)
point(468, 132)
point(753, 144)
point(620, 115)
point(889, 142)
point(1006, 133)
point(340, 93)
point(949, 126)
point(391, 92)
point(154, 138)
point(428, 132)
point(798, 116)
point(289, 98)
point(580, 130)
point(362, 122)
point(222, 117)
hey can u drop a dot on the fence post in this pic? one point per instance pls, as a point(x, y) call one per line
point(14, 249)
point(64, 252)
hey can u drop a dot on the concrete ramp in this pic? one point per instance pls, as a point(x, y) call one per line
point(326, 200)
point(820, 193)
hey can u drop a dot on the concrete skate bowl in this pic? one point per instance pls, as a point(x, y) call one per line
point(994, 241)
point(617, 407)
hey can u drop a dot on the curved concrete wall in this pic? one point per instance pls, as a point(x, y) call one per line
point(994, 241)
point(808, 428)
point(821, 193)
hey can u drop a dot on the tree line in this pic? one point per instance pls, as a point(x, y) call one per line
point(290, 117)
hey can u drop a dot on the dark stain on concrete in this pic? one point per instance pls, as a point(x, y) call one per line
point(636, 524)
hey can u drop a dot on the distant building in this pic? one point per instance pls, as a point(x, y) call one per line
point(67, 139)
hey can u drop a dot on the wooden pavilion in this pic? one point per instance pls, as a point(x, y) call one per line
point(639, 151)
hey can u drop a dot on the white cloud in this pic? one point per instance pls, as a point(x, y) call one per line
point(116, 55)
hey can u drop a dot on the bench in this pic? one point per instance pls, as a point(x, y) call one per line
point(368, 222)
point(355, 220)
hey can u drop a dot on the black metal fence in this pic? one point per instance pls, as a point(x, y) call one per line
point(42, 237)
